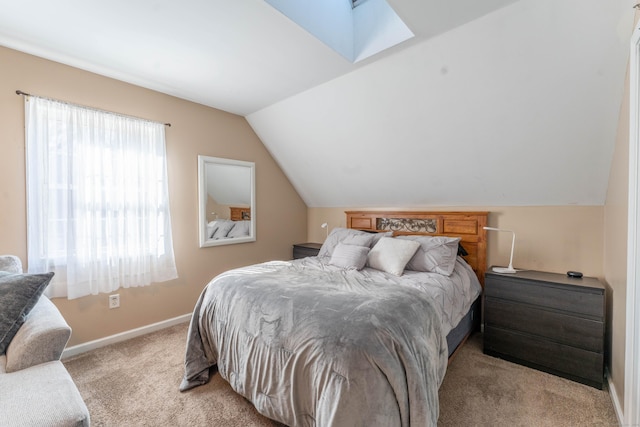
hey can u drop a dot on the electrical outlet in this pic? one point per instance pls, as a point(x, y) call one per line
point(114, 301)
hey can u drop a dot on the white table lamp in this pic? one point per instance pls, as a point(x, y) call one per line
point(325, 226)
point(509, 269)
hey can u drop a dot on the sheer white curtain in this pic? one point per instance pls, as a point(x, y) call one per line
point(97, 199)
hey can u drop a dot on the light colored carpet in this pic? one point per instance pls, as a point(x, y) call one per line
point(480, 390)
point(135, 383)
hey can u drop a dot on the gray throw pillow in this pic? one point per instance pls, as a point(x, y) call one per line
point(380, 235)
point(351, 257)
point(19, 293)
point(346, 236)
point(437, 254)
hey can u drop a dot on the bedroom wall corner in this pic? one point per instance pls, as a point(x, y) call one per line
point(615, 251)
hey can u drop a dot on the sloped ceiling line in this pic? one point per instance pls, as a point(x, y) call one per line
point(499, 102)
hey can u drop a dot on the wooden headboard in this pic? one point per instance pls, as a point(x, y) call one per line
point(239, 214)
point(466, 225)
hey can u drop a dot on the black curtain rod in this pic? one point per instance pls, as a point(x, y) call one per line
point(19, 92)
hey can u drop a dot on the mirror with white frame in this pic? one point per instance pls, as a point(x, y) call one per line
point(227, 207)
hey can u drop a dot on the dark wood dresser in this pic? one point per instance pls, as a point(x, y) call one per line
point(303, 250)
point(547, 321)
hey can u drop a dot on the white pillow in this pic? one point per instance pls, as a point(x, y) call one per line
point(391, 255)
point(378, 236)
point(241, 229)
point(349, 256)
point(211, 228)
point(223, 228)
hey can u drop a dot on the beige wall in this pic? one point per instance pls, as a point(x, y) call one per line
point(615, 249)
point(281, 214)
point(548, 238)
point(221, 211)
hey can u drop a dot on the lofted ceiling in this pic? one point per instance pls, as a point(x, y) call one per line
point(499, 102)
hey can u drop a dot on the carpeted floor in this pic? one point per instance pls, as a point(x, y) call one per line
point(135, 383)
point(480, 390)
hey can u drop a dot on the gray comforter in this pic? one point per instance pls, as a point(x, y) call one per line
point(320, 347)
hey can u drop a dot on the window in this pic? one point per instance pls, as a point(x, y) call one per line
point(97, 196)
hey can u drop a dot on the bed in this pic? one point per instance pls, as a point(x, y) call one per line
point(359, 335)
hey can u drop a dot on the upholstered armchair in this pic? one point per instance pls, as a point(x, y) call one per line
point(35, 387)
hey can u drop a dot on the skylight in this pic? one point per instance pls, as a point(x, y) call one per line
point(356, 29)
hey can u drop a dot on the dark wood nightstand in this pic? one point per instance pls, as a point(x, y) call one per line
point(303, 250)
point(547, 321)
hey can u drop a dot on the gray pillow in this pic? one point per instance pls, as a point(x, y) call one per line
point(18, 294)
point(351, 257)
point(346, 236)
point(223, 228)
point(241, 229)
point(437, 254)
point(211, 228)
point(378, 236)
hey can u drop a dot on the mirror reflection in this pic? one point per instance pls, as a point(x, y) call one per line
point(227, 201)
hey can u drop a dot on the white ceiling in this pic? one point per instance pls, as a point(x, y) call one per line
point(499, 102)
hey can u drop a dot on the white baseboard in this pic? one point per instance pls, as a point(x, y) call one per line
point(123, 336)
point(614, 398)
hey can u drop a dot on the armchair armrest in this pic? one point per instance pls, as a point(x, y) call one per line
point(10, 263)
point(40, 339)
